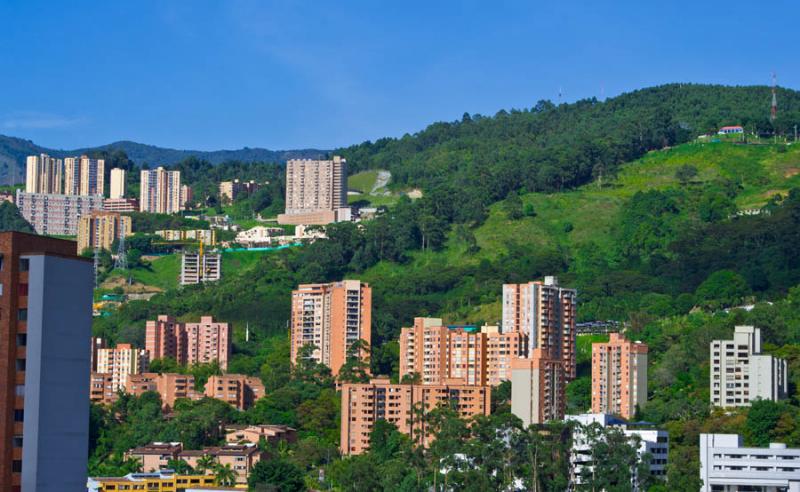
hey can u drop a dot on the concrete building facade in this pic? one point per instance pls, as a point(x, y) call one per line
point(99, 229)
point(56, 215)
point(171, 387)
point(238, 434)
point(537, 388)
point(44, 174)
point(189, 343)
point(315, 190)
point(45, 301)
point(740, 373)
point(364, 404)
point(121, 205)
point(161, 481)
point(331, 317)
point(118, 184)
point(619, 376)
point(160, 191)
point(546, 313)
point(727, 466)
point(120, 362)
point(84, 176)
point(207, 236)
point(199, 267)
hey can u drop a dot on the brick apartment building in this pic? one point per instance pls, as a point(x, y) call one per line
point(156, 456)
point(45, 302)
point(170, 386)
point(364, 404)
point(458, 354)
point(331, 317)
point(189, 343)
point(240, 434)
point(236, 389)
point(619, 376)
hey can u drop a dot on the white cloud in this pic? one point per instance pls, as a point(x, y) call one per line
point(21, 120)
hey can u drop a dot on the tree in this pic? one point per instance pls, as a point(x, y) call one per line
point(206, 464)
point(181, 467)
point(723, 288)
point(225, 475)
point(356, 366)
point(280, 474)
point(513, 206)
point(12, 220)
point(685, 173)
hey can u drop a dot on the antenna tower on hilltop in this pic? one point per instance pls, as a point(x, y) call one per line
point(773, 112)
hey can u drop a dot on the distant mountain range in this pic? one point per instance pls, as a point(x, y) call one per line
point(13, 152)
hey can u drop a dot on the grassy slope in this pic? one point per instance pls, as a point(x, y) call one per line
point(364, 182)
point(592, 210)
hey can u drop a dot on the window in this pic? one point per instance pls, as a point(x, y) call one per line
point(16, 466)
point(24, 264)
point(22, 314)
point(19, 415)
point(20, 390)
point(20, 364)
point(22, 339)
point(22, 290)
point(16, 441)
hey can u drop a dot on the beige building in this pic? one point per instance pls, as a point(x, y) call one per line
point(44, 174)
point(56, 215)
point(537, 388)
point(458, 354)
point(118, 185)
point(364, 404)
point(230, 190)
point(155, 456)
point(316, 191)
point(120, 362)
point(101, 390)
point(160, 191)
point(619, 376)
point(84, 176)
point(546, 313)
point(331, 317)
point(240, 434)
point(99, 229)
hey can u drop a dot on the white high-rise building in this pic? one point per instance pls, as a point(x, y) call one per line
point(117, 183)
point(84, 176)
point(727, 466)
point(161, 192)
point(44, 174)
point(740, 373)
point(316, 191)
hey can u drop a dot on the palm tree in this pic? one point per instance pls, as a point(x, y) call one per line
point(225, 475)
point(205, 464)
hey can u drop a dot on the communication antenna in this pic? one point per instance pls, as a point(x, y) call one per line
point(773, 112)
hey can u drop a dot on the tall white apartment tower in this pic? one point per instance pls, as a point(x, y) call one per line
point(160, 191)
point(44, 174)
point(741, 374)
point(545, 312)
point(316, 192)
point(117, 183)
point(84, 176)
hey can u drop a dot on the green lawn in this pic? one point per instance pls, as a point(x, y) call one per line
point(363, 181)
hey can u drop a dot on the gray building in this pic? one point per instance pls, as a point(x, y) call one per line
point(727, 466)
point(200, 267)
point(740, 373)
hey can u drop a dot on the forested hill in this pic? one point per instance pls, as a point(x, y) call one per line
point(14, 150)
point(549, 147)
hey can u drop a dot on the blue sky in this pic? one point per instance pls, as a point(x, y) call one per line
point(226, 74)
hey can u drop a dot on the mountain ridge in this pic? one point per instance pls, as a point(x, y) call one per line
point(14, 150)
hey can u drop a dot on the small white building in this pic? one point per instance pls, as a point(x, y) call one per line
point(727, 466)
point(730, 130)
point(652, 441)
